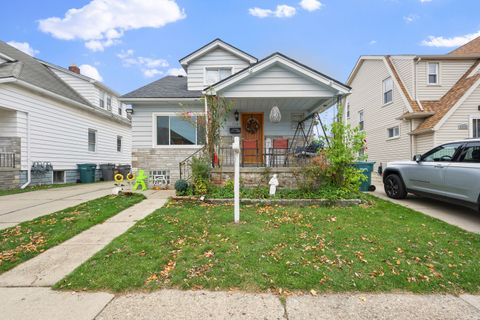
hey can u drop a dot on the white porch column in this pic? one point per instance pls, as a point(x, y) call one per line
point(236, 180)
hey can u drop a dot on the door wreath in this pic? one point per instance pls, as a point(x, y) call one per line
point(252, 125)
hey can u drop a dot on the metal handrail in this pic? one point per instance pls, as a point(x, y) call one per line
point(7, 160)
point(184, 165)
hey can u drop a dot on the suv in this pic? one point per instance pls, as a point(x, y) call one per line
point(450, 172)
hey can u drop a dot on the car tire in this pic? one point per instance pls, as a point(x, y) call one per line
point(394, 187)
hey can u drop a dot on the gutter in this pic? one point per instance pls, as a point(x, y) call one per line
point(29, 171)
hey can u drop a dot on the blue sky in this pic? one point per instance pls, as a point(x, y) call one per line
point(133, 42)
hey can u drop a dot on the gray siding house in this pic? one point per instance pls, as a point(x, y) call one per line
point(162, 138)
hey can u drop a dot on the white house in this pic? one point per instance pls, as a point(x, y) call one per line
point(407, 104)
point(162, 139)
point(52, 115)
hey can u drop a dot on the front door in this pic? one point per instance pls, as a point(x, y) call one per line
point(252, 137)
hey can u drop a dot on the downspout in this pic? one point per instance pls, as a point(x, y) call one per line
point(29, 173)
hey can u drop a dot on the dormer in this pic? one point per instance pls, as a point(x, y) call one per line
point(213, 62)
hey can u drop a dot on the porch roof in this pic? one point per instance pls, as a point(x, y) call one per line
point(278, 76)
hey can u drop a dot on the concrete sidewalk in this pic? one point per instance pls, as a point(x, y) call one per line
point(54, 264)
point(17, 208)
point(43, 303)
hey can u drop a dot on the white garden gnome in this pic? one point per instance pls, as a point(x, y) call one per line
point(273, 185)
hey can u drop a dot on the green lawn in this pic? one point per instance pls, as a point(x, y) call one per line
point(30, 238)
point(376, 247)
point(35, 188)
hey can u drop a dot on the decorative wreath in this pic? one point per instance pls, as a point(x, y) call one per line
point(252, 125)
point(130, 177)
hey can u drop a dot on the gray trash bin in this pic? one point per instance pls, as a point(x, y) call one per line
point(107, 171)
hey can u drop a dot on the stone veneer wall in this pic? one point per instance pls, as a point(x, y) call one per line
point(10, 177)
point(254, 176)
point(158, 159)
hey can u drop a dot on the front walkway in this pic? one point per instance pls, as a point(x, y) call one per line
point(20, 207)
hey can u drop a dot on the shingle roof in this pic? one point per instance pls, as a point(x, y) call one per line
point(470, 48)
point(28, 69)
point(167, 87)
point(413, 104)
point(442, 106)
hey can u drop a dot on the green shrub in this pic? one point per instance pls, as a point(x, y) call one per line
point(200, 175)
point(181, 187)
point(200, 187)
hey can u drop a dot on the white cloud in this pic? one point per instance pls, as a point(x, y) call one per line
point(25, 47)
point(372, 42)
point(282, 11)
point(410, 18)
point(450, 42)
point(310, 5)
point(176, 72)
point(90, 71)
point(148, 66)
point(425, 1)
point(102, 23)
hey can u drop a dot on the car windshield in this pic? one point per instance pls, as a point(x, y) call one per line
point(445, 152)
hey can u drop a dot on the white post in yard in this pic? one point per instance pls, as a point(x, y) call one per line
point(236, 180)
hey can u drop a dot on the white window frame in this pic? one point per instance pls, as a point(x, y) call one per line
point(215, 67)
point(471, 125)
point(88, 140)
point(428, 73)
point(170, 114)
point(347, 112)
point(361, 119)
point(107, 98)
point(393, 137)
point(121, 143)
point(383, 91)
point(101, 100)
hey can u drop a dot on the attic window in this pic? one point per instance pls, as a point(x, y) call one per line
point(387, 90)
point(433, 68)
point(215, 74)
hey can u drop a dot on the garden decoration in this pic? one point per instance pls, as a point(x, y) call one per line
point(236, 180)
point(273, 185)
point(140, 181)
point(275, 115)
point(130, 179)
point(118, 188)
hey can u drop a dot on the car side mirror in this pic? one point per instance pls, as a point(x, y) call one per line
point(417, 158)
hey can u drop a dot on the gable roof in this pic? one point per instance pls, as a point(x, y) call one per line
point(28, 69)
point(217, 43)
point(470, 48)
point(278, 57)
point(167, 87)
point(448, 101)
point(413, 104)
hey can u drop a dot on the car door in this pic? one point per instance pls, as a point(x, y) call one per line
point(428, 175)
point(462, 176)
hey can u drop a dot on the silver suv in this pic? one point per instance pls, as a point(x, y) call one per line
point(450, 172)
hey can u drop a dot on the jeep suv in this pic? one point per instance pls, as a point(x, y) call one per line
point(450, 172)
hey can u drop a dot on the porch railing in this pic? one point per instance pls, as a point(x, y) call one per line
point(7, 160)
point(185, 165)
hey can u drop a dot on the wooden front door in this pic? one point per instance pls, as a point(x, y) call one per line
point(252, 137)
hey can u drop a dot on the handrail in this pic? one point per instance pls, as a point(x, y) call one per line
point(185, 174)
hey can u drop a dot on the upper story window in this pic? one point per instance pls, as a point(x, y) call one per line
point(215, 74)
point(177, 130)
point(101, 102)
point(109, 103)
point(387, 90)
point(433, 68)
point(361, 120)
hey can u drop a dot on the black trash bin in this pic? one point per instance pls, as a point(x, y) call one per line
point(124, 169)
point(107, 171)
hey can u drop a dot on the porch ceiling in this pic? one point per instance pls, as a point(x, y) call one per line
point(292, 104)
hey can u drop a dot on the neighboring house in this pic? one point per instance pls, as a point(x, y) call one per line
point(407, 104)
point(49, 114)
point(162, 138)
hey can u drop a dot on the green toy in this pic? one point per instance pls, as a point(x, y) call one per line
point(141, 178)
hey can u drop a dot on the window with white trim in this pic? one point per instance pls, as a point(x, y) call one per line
point(348, 111)
point(109, 103)
point(215, 74)
point(361, 120)
point(393, 132)
point(475, 132)
point(387, 90)
point(179, 130)
point(433, 70)
point(92, 140)
point(119, 143)
point(101, 102)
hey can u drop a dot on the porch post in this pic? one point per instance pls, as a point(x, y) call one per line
point(236, 180)
point(206, 119)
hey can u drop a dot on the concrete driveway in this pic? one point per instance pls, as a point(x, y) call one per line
point(17, 208)
point(456, 215)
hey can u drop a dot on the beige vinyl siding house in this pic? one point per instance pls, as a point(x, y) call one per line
point(435, 98)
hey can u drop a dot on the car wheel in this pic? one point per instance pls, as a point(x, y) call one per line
point(394, 187)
